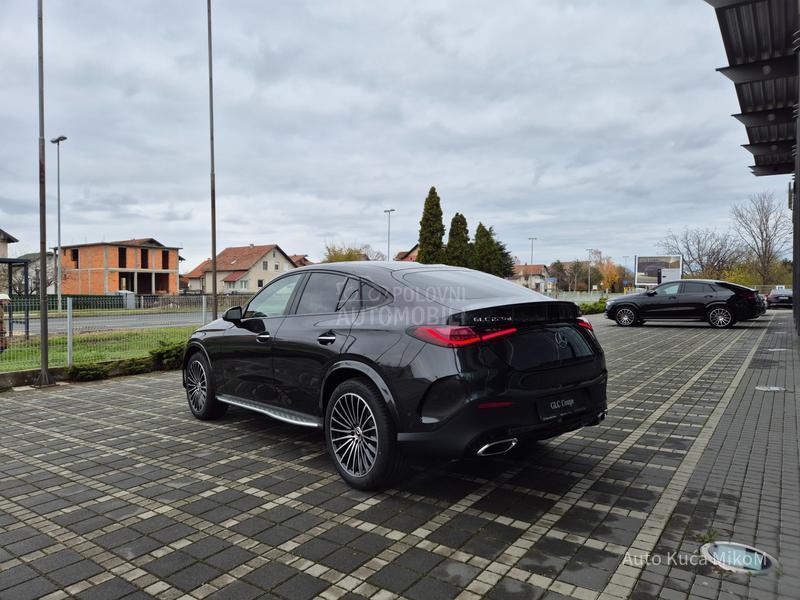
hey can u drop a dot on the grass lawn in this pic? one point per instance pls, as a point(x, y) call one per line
point(100, 346)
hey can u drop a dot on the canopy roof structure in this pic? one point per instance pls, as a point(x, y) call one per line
point(760, 38)
point(761, 41)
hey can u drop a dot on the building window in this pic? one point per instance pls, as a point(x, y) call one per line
point(144, 258)
point(75, 257)
point(122, 257)
point(244, 284)
point(165, 259)
point(265, 265)
point(273, 253)
point(277, 267)
point(260, 283)
point(230, 285)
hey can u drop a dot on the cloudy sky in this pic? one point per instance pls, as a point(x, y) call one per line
point(582, 123)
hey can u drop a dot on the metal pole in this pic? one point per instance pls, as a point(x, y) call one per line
point(45, 378)
point(532, 240)
point(27, 291)
point(389, 212)
point(69, 332)
point(214, 307)
point(58, 203)
point(57, 141)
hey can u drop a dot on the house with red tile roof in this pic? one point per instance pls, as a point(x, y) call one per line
point(301, 260)
point(533, 276)
point(241, 269)
point(408, 255)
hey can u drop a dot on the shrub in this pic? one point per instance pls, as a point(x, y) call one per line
point(168, 356)
point(593, 308)
point(89, 372)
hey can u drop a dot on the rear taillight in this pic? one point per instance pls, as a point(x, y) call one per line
point(456, 336)
point(585, 324)
point(749, 295)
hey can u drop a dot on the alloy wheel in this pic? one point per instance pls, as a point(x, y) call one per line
point(625, 317)
point(720, 317)
point(354, 434)
point(196, 385)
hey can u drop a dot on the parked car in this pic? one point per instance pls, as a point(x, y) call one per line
point(396, 358)
point(720, 303)
point(779, 297)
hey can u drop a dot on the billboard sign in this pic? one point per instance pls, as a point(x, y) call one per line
point(652, 270)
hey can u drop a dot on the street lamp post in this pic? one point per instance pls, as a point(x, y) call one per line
point(45, 378)
point(589, 271)
point(57, 141)
point(389, 212)
point(532, 239)
point(214, 306)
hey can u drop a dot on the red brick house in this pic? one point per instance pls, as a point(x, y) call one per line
point(142, 266)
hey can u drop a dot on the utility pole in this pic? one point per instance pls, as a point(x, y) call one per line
point(532, 239)
point(57, 141)
point(389, 212)
point(214, 306)
point(45, 379)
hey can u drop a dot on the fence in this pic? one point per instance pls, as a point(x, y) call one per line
point(97, 328)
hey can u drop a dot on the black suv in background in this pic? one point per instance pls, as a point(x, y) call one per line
point(393, 357)
point(720, 303)
point(778, 298)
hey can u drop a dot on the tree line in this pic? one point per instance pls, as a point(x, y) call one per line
point(483, 253)
point(751, 251)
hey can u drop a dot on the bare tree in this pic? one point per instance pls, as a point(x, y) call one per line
point(765, 228)
point(704, 252)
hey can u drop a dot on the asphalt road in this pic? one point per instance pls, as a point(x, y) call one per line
point(100, 323)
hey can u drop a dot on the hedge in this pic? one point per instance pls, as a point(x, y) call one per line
point(165, 358)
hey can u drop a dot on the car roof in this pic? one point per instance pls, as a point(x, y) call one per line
point(358, 267)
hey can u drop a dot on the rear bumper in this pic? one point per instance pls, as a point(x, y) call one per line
point(779, 304)
point(472, 427)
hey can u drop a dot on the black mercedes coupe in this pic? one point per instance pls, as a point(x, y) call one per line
point(390, 359)
point(720, 303)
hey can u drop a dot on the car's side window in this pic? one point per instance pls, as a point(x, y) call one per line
point(273, 300)
point(668, 289)
point(321, 294)
point(371, 296)
point(350, 299)
point(693, 287)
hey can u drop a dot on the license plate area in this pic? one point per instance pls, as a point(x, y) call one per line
point(553, 408)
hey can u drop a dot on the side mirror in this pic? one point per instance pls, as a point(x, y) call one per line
point(651, 292)
point(233, 314)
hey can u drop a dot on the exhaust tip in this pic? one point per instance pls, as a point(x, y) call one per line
point(498, 447)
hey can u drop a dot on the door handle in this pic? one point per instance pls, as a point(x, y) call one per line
point(326, 338)
point(263, 338)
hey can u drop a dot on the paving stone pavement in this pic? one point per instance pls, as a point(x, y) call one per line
point(112, 490)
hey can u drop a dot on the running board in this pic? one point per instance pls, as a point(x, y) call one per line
point(281, 414)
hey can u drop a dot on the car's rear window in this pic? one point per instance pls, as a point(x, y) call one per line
point(452, 284)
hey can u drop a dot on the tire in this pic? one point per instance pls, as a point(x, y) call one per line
point(720, 317)
point(626, 316)
point(200, 393)
point(361, 436)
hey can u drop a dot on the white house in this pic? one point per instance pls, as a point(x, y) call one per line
point(533, 277)
point(241, 269)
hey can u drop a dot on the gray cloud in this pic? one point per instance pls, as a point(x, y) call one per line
point(585, 124)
